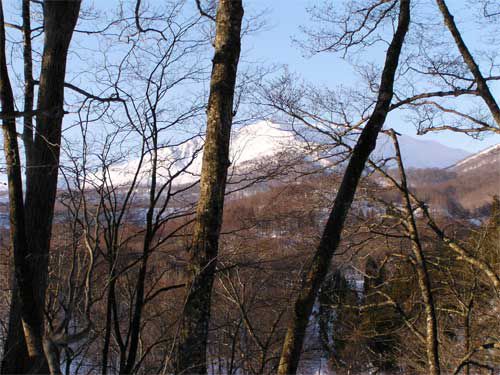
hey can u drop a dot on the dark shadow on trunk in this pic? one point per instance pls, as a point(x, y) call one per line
point(32, 252)
point(330, 240)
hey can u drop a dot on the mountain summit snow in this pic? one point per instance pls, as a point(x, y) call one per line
point(263, 143)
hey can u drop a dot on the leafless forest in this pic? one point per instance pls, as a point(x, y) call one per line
point(168, 205)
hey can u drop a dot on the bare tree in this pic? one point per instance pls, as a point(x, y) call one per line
point(424, 281)
point(482, 85)
point(144, 215)
point(32, 259)
point(192, 346)
point(331, 236)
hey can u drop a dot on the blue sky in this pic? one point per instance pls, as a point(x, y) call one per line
point(273, 45)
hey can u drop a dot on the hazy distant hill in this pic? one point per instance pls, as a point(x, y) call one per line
point(471, 182)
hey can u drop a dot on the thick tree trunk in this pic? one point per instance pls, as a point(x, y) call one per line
point(191, 350)
point(424, 282)
point(482, 85)
point(59, 22)
point(330, 240)
point(16, 353)
point(31, 252)
point(25, 306)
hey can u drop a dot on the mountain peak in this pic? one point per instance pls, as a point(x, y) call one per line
point(268, 143)
point(260, 140)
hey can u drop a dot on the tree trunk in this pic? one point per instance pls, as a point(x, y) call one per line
point(59, 21)
point(15, 351)
point(107, 329)
point(482, 85)
point(31, 317)
point(424, 282)
point(31, 252)
point(135, 324)
point(330, 240)
point(467, 328)
point(192, 346)
point(15, 347)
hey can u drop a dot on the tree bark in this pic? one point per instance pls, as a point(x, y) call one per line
point(31, 252)
point(192, 345)
point(424, 282)
point(59, 22)
point(15, 346)
point(22, 295)
point(15, 352)
point(330, 239)
point(482, 85)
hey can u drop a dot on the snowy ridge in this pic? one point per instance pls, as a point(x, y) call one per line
point(266, 144)
point(490, 155)
point(251, 147)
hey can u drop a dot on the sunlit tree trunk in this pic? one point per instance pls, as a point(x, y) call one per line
point(424, 281)
point(192, 346)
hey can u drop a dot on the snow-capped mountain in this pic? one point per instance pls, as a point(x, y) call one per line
point(263, 145)
point(253, 147)
point(488, 158)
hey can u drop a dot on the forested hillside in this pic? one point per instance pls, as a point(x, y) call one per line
point(239, 187)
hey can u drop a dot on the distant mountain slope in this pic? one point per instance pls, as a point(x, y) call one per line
point(488, 159)
point(472, 182)
point(265, 143)
point(478, 177)
point(420, 153)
